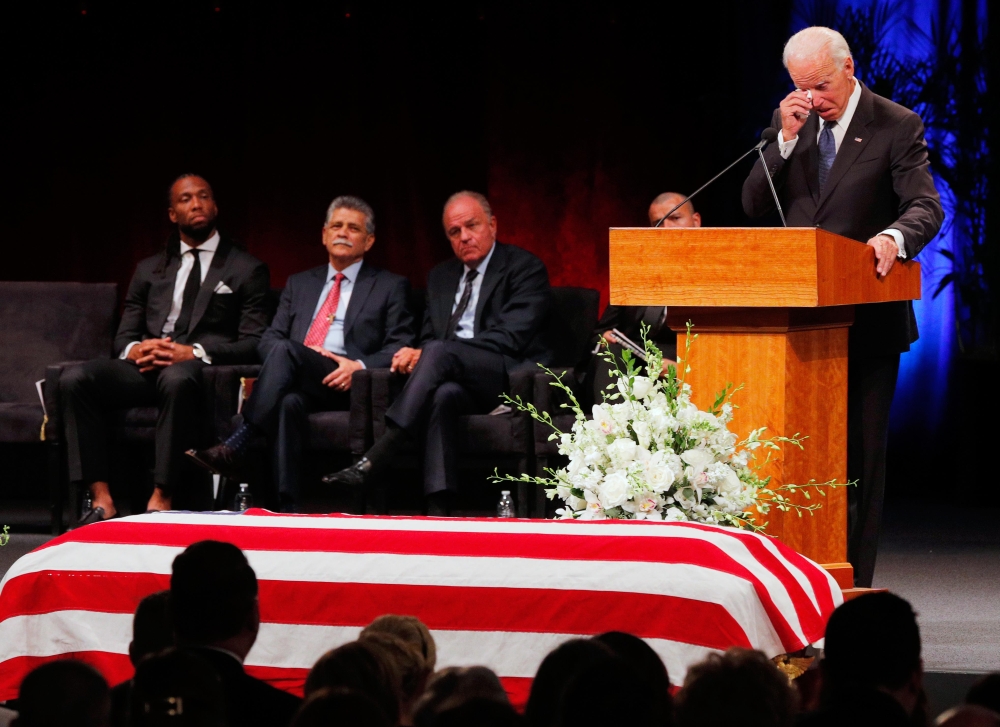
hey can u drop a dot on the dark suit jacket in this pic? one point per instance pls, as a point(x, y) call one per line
point(512, 308)
point(227, 325)
point(378, 321)
point(880, 179)
point(249, 702)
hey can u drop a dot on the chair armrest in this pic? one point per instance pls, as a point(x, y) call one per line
point(360, 425)
point(53, 402)
point(221, 394)
point(549, 398)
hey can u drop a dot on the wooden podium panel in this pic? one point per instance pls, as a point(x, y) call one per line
point(752, 267)
point(795, 380)
point(771, 308)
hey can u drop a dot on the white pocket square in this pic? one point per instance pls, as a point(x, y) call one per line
point(222, 288)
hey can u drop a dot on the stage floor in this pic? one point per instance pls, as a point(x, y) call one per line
point(946, 565)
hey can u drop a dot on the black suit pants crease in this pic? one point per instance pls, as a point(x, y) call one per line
point(92, 390)
point(288, 389)
point(871, 383)
point(450, 380)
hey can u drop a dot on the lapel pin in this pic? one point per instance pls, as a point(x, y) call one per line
point(857, 138)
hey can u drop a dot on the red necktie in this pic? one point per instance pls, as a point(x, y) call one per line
point(321, 323)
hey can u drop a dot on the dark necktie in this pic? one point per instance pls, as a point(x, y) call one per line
point(191, 289)
point(463, 303)
point(827, 152)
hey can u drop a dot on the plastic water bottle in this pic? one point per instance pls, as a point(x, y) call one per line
point(505, 508)
point(244, 500)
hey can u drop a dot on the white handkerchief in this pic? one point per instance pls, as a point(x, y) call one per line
point(222, 288)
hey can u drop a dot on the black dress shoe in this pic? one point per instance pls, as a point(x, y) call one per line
point(220, 460)
point(354, 476)
point(438, 504)
point(93, 515)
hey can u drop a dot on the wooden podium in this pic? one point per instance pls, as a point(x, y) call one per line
point(771, 308)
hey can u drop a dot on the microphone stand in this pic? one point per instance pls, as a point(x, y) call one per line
point(770, 184)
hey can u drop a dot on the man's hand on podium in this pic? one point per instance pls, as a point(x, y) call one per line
point(886, 252)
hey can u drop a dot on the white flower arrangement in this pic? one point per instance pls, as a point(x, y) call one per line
point(648, 453)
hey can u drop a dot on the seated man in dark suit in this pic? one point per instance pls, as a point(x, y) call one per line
point(215, 613)
point(485, 309)
point(201, 301)
point(332, 321)
point(628, 318)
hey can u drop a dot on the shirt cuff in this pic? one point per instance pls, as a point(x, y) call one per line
point(127, 349)
point(898, 237)
point(362, 363)
point(785, 147)
point(204, 354)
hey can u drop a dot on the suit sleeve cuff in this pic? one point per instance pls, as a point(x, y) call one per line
point(785, 148)
point(127, 349)
point(898, 237)
point(204, 354)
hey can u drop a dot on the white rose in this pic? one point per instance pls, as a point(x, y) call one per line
point(641, 430)
point(641, 386)
point(659, 476)
point(622, 451)
point(698, 458)
point(613, 491)
point(730, 483)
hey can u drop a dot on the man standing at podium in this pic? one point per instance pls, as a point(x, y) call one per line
point(855, 164)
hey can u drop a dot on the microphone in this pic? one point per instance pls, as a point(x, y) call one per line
point(765, 139)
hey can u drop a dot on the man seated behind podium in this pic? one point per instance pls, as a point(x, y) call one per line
point(629, 318)
point(201, 301)
point(332, 321)
point(485, 310)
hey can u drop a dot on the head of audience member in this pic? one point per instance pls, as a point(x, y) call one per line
point(411, 630)
point(177, 688)
point(478, 712)
point(192, 208)
point(577, 706)
point(213, 598)
point(408, 663)
point(986, 692)
point(151, 627)
point(683, 216)
point(740, 679)
point(360, 666)
point(881, 624)
point(819, 60)
point(470, 226)
point(451, 688)
point(554, 675)
point(349, 231)
point(63, 693)
point(340, 706)
point(648, 668)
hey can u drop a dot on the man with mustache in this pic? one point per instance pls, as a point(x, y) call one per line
point(332, 321)
point(202, 301)
point(485, 310)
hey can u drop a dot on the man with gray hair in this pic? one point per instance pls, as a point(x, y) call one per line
point(332, 321)
point(855, 164)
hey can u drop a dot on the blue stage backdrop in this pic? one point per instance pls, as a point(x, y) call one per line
point(900, 49)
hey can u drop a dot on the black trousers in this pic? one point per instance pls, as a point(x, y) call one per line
point(871, 383)
point(92, 390)
point(288, 389)
point(451, 379)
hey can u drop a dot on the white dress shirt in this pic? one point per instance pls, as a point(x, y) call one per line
point(466, 327)
point(839, 131)
point(334, 342)
point(206, 251)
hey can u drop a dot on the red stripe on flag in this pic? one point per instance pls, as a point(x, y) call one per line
point(528, 610)
point(115, 668)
